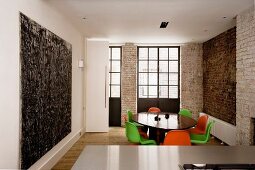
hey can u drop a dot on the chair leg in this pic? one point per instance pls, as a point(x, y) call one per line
point(142, 133)
point(145, 129)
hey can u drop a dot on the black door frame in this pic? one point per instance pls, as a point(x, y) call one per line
point(115, 121)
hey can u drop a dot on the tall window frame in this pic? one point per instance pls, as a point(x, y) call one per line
point(157, 60)
point(114, 72)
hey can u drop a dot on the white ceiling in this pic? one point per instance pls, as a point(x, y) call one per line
point(138, 21)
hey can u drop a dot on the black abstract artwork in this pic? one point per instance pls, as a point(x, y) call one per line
point(46, 79)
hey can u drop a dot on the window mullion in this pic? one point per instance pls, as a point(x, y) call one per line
point(158, 76)
point(110, 72)
point(168, 73)
point(148, 74)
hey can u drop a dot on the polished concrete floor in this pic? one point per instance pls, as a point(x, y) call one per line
point(116, 136)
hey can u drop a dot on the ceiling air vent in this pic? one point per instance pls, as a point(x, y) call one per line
point(163, 24)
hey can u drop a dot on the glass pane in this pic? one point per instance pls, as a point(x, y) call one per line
point(173, 78)
point(109, 90)
point(163, 78)
point(110, 78)
point(109, 53)
point(173, 53)
point(115, 78)
point(153, 91)
point(153, 66)
point(115, 66)
point(173, 92)
point(153, 53)
point(115, 91)
point(163, 66)
point(163, 53)
point(143, 66)
point(143, 53)
point(110, 66)
point(163, 91)
point(153, 78)
point(143, 78)
point(116, 53)
point(173, 66)
point(143, 91)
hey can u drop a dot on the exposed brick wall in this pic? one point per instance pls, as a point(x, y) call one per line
point(245, 76)
point(192, 78)
point(219, 94)
point(128, 80)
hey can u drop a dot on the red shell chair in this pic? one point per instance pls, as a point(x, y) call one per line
point(154, 110)
point(201, 126)
point(177, 137)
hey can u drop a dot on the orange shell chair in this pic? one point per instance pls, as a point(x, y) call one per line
point(177, 137)
point(154, 110)
point(201, 126)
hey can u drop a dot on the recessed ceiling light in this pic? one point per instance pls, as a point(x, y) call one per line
point(224, 17)
point(163, 24)
point(84, 18)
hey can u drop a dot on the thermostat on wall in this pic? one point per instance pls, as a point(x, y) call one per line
point(81, 63)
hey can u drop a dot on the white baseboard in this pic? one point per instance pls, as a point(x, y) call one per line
point(56, 153)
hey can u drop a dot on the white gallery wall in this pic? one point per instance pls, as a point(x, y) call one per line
point(47, 16)
point(97, 94)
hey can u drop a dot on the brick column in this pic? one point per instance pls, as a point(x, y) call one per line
point(192, 78)
point(128, 80)
point(245, 76)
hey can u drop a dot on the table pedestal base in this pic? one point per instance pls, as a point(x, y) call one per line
point(157, 134)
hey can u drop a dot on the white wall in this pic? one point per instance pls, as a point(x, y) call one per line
point(97, 102)
point(42, 13)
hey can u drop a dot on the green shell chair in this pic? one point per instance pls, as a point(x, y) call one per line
point(202, 139)
point(130, 119)
point(133, 135)
point(185, 112)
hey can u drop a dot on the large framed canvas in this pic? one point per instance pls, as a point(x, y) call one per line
point(46, 81)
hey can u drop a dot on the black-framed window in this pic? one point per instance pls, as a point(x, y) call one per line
point(115, 70)
point(158, 72)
